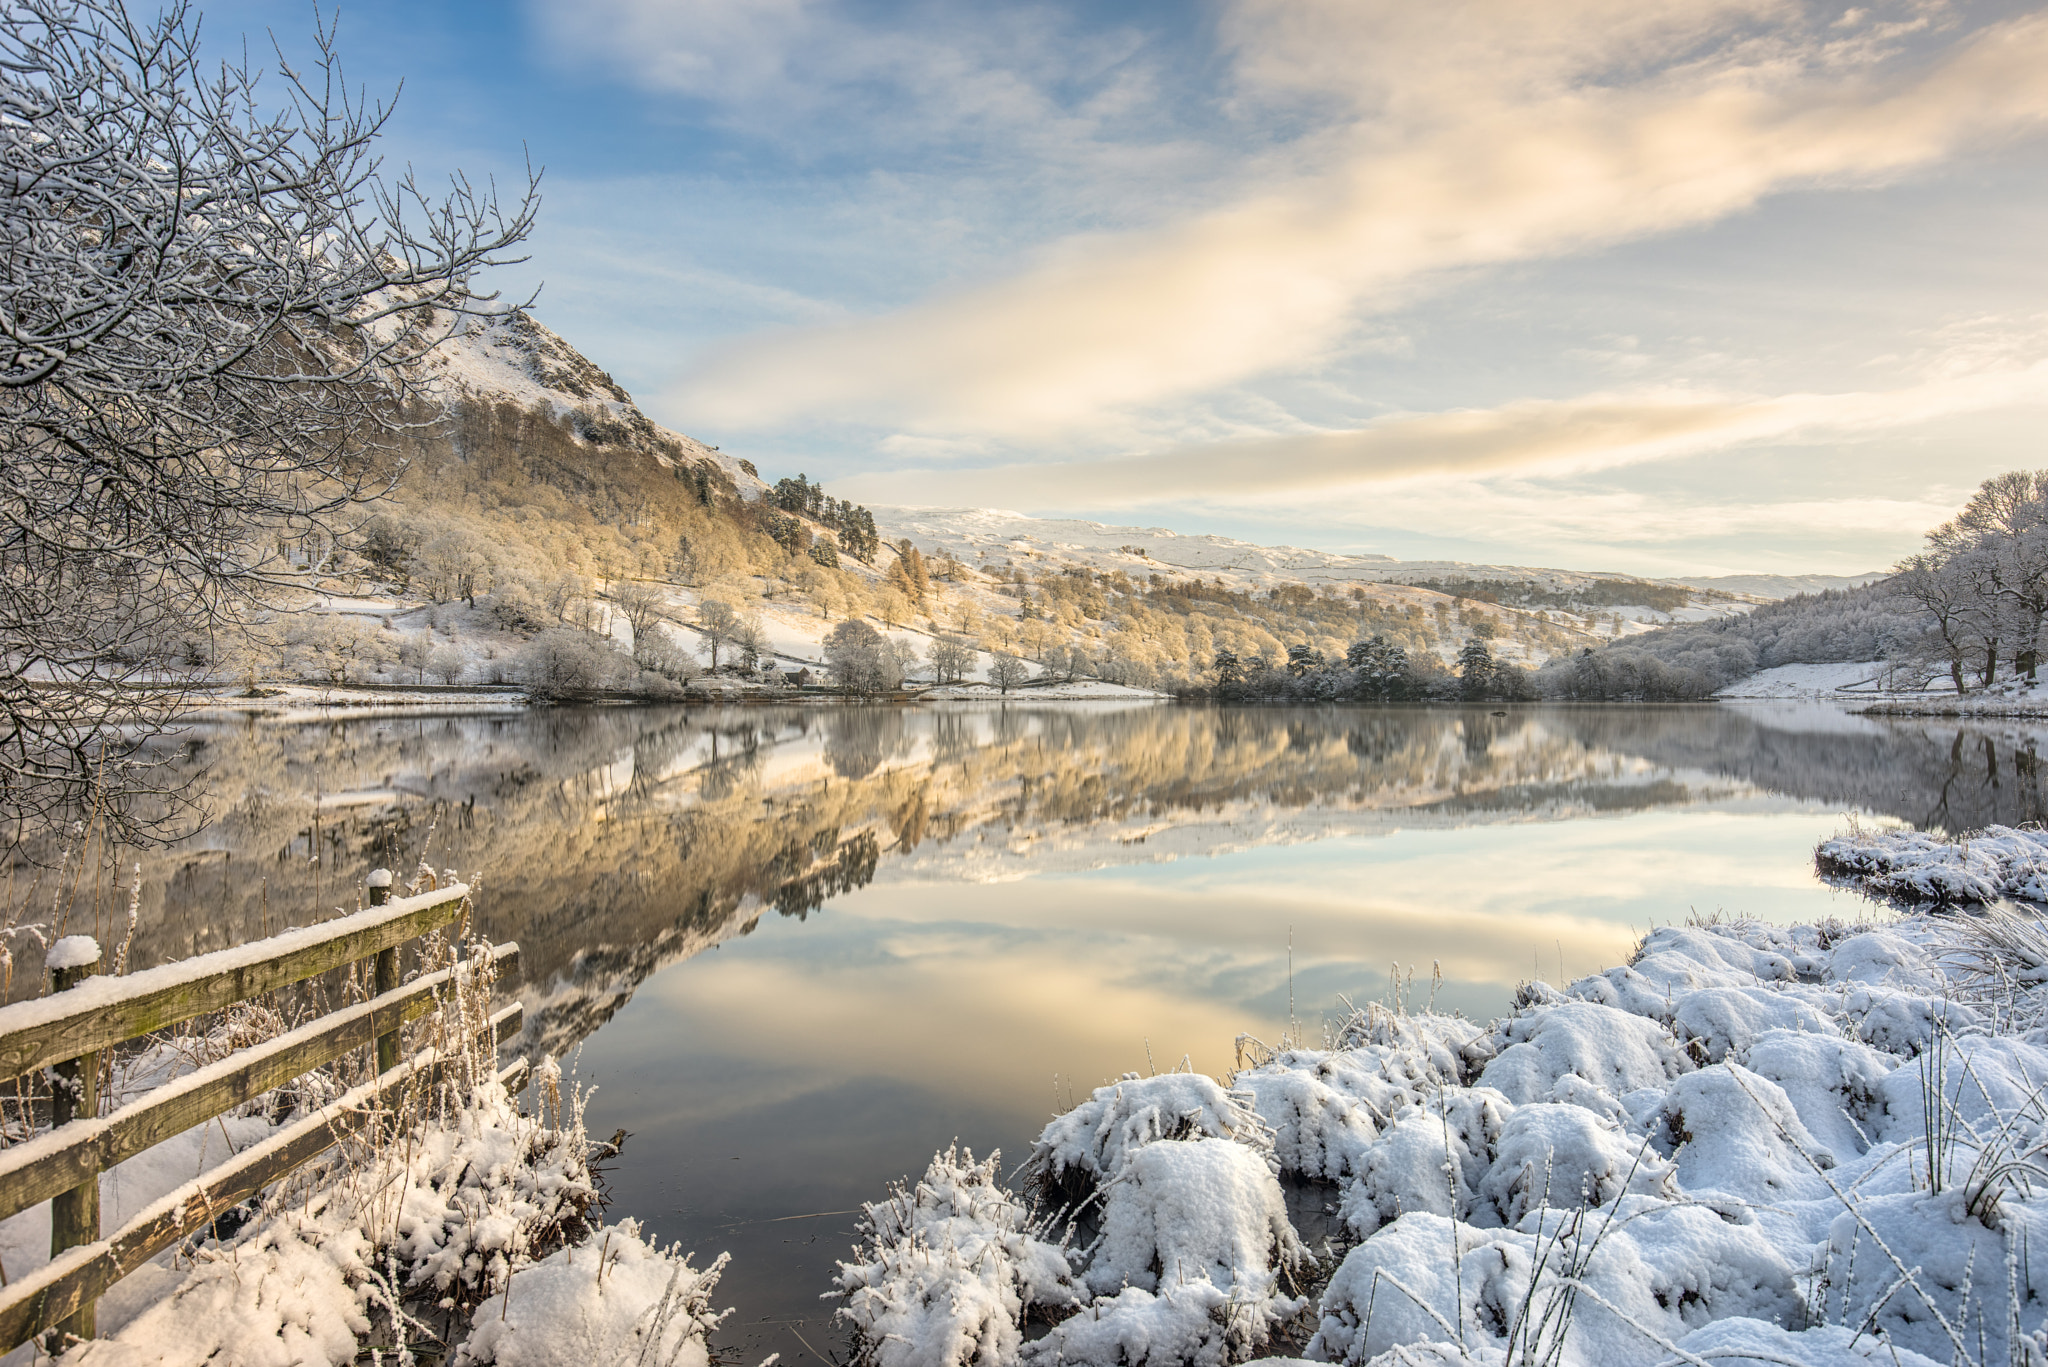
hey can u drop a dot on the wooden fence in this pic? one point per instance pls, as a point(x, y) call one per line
point(68, 1030)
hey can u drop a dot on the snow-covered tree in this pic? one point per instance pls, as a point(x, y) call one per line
point(210, 317)
point(857, 655)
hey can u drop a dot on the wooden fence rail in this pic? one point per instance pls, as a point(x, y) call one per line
point(67, 1030)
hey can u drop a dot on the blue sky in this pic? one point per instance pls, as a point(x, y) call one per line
point(1665, 286)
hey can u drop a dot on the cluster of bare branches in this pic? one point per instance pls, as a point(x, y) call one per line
point(212, 304)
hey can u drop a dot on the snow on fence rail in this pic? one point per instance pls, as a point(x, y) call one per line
point(86, 1014)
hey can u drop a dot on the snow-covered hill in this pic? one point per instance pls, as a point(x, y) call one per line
point(508, 356)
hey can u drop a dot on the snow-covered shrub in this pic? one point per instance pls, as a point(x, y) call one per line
point(1417, 1047)
point(1201, 1210)
point(625, 1300)
point(1879, 956)
point(1905, 1023)
point(484, 1191)
point(1835, 1085)
point(1737, 1134)
point(1557, 1157)
point(1933, 1279)
point(1198, 1324)
point(1318, 1131)
point(946, 1270)
point(1431, 1159)
point(1661, 1269)
point(1618, 1051)
point(427, 1220)
point(1090, 1144)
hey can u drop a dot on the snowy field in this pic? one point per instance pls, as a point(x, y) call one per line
point(1857, 682)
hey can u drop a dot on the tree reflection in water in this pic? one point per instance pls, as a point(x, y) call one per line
point(612, 841)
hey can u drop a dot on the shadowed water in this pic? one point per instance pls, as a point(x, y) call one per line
point(797, 949)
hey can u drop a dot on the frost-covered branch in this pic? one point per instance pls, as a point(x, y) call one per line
point(211, 310)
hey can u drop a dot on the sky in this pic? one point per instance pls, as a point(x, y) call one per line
point(1667, 287)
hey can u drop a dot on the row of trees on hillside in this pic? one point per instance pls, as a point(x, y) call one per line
point(1377, 670)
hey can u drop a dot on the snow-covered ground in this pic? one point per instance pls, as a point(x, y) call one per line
point(1874, 688)
point(1810, 681)
point(316, 702)
point(1091, 690)
point(1812, 1145)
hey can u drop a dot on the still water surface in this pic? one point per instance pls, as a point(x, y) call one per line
point(796, 950)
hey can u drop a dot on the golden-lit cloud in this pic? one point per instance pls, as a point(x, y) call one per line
point(1468, 136)
point(1534, 435)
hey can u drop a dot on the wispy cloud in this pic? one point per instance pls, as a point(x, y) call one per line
point(1556, 436)
point(1445, 137)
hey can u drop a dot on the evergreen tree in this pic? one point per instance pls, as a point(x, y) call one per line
point(1478, 675)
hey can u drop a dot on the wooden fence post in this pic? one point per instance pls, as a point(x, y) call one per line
point(379, 884)
point(75, 1094)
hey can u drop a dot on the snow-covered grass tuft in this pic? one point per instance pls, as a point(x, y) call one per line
point(947, 1269)
point(624, 1301)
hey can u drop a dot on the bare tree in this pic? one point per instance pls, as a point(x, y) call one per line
point(718, 621)
point(1950, 601)
point(1007, 671)
point(211, 312)
point(642, 605)
point(951, 659)
point(445, 663)
point(750, 642)
point(858, 655)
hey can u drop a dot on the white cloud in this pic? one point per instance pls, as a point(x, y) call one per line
point(1473, 136)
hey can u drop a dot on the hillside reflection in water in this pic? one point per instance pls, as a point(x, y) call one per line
point(939, 922)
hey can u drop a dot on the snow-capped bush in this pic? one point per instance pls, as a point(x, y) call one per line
point(1560, 1157)
point(1093, 1141)
point(1318, 1131)
point(432, 1218)
point(624, 1300)
point(1431, 1159)
point(1718, 1021)
point(946, 1270)
point(1201, 1210)
point(1618, 1051)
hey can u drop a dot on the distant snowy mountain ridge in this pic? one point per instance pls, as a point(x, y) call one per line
point(966, 533)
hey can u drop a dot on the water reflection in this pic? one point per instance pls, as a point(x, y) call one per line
point(612, 840)
point(1013, 903)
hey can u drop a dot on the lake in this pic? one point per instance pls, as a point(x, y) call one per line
point(796, 949)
